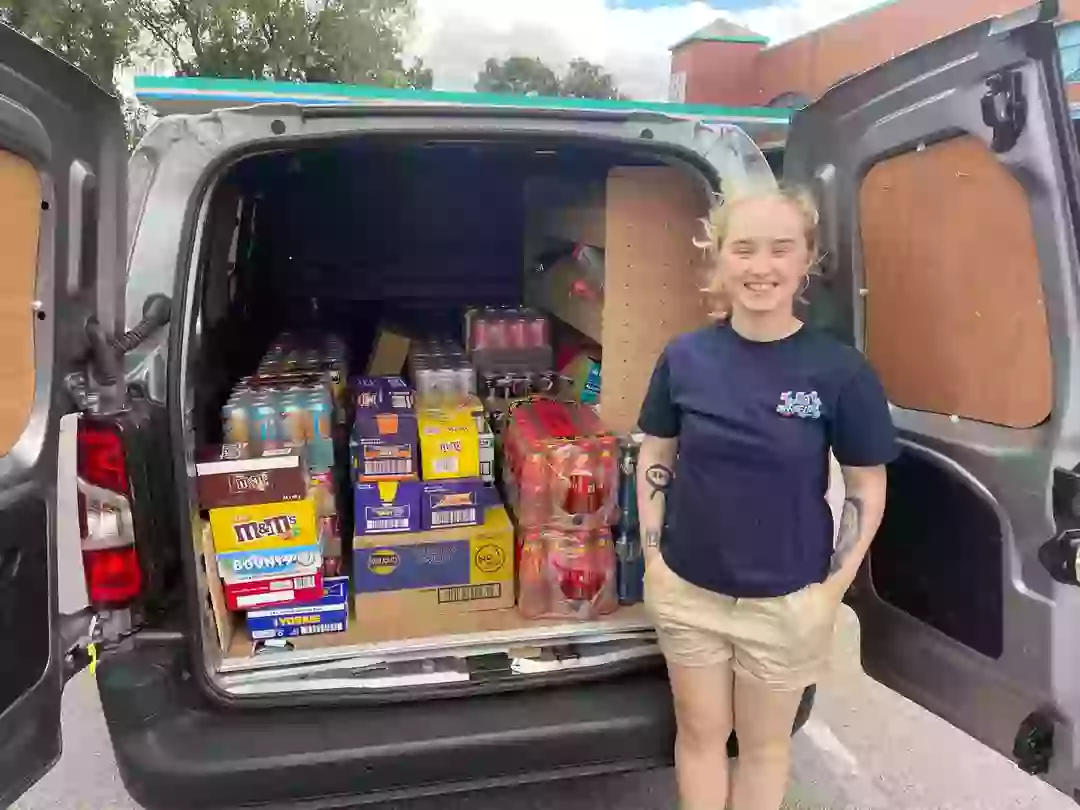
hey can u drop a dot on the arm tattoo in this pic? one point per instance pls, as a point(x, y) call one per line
point(652, 539)
point(659, 479)
point(851, 522)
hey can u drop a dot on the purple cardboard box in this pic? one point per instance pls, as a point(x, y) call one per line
point(387, 507)
point(385, 436)
point(455, 502)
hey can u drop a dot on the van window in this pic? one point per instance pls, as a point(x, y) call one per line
point(20, 214)
point(955, 318)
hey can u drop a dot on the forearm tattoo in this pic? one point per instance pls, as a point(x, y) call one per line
point(851, 523)
point(652, 539)
point(658, 477)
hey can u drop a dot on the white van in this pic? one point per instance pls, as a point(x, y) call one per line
point(131, 299)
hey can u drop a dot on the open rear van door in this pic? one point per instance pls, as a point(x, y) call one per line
point(948, 184)
point(62, 162)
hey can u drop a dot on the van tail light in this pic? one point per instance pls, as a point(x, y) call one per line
point(113, 574)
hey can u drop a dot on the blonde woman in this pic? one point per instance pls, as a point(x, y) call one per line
point(743, 579)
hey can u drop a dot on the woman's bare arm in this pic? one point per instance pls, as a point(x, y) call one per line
point(656, 463)
point(860, 517)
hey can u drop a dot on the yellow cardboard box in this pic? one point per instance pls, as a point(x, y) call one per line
point(447, 570)
point(264, 526)
point(450, 441)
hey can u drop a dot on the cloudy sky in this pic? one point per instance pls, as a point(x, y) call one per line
point(629, 37)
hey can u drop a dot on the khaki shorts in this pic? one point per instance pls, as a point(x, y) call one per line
point(784, 641)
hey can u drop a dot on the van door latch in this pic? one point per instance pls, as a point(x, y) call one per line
point(1004, 109)
point(1060, 556)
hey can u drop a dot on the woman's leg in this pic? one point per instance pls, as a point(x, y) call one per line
point(704, 717)
point(764, 716)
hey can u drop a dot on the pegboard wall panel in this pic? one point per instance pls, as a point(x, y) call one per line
point(20, 222)
point(955, 318)
point(653, 279)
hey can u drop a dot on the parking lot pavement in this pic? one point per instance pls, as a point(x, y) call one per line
point(842, 760)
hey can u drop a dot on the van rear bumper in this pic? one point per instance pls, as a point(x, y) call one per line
point(174, 749)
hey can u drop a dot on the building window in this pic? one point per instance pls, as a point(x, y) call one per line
point(1068, 35)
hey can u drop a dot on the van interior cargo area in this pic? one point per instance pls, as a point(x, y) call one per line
point(345, 238)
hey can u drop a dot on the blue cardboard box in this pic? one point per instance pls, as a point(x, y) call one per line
point(455, 502)
point(387, 507)
point(384, 443)
point(330, 614)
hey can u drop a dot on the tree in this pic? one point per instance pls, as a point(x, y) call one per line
point(522, 75)
point(356, 41)
point(94, 35)
point(583, 79)
point(518, 75)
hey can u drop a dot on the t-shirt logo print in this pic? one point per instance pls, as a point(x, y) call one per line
point(800, 403)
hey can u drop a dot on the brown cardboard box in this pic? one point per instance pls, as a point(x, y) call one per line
point(447, 570)
point(241, 475)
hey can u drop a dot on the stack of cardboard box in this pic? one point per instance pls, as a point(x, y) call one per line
point(269, 534)
point(430, 533)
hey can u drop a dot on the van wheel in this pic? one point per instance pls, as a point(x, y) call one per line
point(801, 716)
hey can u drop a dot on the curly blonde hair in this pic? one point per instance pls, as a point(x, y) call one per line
point(716, 226)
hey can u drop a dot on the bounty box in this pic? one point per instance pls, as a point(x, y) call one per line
point(386, 507)
point(327, 614)
point(384, 440)
point(446, 570)
point(244, 566)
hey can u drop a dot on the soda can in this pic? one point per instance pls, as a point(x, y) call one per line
point(539, 331)
point(266, 425)
point(236, 420)
point(496, 331)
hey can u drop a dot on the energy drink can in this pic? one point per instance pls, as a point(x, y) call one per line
point(236, 421)
point(295, 417)
point(629, 449)
point(630, 570)
point(266, 423)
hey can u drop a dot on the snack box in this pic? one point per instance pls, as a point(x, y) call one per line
point(448, 570)
point(387, 507)
point(384, 440)
point(243, 474)
point(244, 566)
point(450, 440)
point(264, 526)
point(458, 502)
point(328, 613)
point(254, 593)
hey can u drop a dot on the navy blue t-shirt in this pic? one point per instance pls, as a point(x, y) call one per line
point(746, 515)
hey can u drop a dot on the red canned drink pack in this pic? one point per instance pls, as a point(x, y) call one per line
point(561, 466)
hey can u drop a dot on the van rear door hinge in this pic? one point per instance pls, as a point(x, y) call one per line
point(1004, 109)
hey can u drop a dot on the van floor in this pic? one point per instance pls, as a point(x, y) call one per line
point(416, 633)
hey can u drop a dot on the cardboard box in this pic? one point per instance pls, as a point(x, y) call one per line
point(487, 453)
point(384, 441)
point(388, 354)
point(327, 614)
point(255, 593)
point(264, 526)
point(387, 507)
point(241, 475)
point(244, 566)
point(460, 502)
point(461, 570)
point(449, 443)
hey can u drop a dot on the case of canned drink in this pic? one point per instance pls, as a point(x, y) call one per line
point(566, 573)
point(508, 339)
point(560, 466)
point(441, 373)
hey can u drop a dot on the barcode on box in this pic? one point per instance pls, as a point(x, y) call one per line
point(453, 517)
point(446, 465)
point(388, 525)
point(304, 582)
point(329, 627)
point(470, 593)
point(391, 467)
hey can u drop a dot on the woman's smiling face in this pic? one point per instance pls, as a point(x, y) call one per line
point(764, 258)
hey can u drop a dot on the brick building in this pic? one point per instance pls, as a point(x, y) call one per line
point(729, 65)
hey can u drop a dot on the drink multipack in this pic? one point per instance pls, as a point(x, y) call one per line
point(560, 466)
point(566, 573)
